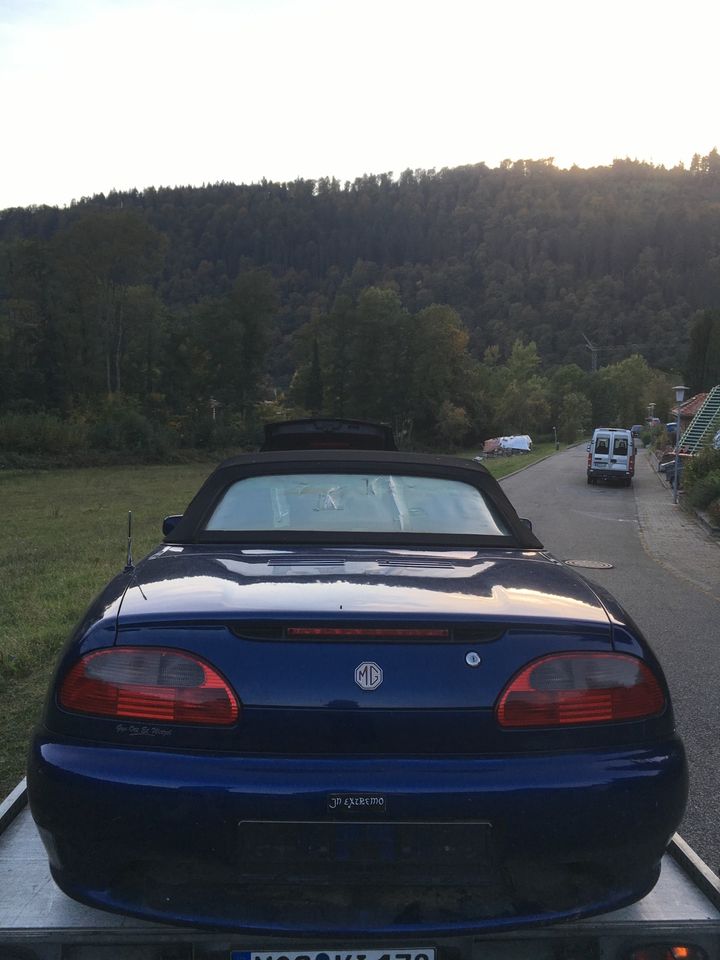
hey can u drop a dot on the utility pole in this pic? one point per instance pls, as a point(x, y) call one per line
point(594, 352)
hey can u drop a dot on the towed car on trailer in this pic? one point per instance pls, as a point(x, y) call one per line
point(350, 694)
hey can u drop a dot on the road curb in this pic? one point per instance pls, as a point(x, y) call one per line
point(704, 520)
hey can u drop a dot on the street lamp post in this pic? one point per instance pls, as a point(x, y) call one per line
point(679, 397)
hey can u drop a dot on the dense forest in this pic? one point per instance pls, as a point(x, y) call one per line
point(456, 304)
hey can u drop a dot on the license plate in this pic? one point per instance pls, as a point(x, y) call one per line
point(397, 953)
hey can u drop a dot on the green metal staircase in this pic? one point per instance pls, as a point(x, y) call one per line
point(703, 424)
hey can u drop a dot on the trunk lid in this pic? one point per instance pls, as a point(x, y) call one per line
point(198, 582)
point(385, 652)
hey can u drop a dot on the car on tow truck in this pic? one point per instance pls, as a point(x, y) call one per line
point(350, 695)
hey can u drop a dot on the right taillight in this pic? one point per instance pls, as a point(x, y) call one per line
point(149, 683)
point(666, 951)
point(563, 689)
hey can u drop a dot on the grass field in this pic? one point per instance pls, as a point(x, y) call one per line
point(502, 466)
point(64, 535)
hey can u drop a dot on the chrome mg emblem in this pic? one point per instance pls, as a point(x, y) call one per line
point(368, 675)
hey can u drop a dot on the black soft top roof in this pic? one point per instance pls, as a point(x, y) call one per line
point(191, 528)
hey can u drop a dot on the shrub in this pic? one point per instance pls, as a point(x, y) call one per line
point(714, 512)
point(707, 461)
point(40, 432)
point(704, 490)
point(122, 429)
point(121, 426)
point(197, 431)
point(452, 424)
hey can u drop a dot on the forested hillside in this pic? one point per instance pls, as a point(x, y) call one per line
point(384, 297)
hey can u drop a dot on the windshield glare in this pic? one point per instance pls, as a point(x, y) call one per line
point(356, 503)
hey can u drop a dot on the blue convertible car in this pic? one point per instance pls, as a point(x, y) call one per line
point(350, 695)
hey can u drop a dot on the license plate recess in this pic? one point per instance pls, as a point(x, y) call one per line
point(331, 953)
point(353, 851)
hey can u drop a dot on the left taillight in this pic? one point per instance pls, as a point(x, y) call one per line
point(156, 684)
point(562, 689)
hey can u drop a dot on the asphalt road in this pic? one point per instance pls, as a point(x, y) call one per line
point(666, 573)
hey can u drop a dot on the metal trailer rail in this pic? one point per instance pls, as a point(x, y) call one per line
point(38, 922)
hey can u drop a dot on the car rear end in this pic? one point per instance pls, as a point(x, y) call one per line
point(611, 456)
point(399, 727)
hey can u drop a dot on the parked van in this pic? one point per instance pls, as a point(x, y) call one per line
point(611, 456)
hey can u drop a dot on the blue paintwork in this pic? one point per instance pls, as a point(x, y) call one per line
point(542, 807)
point(200, 582)
point(106, 793)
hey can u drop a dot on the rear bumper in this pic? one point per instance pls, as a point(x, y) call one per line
point(599, 474)
point(160, 836)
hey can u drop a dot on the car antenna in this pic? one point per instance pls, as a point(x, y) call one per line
point(129, 565)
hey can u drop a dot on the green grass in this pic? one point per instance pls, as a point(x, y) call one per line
point(502, 466)
point(64, 535)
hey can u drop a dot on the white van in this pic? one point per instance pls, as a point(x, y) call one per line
point(611, 456)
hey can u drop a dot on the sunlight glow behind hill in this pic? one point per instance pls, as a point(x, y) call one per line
point(116, 94)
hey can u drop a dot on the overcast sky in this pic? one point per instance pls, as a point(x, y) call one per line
point(114, 94)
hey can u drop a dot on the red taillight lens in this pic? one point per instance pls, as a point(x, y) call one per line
point(574, 688)
point(139, 683)
point(664, 951)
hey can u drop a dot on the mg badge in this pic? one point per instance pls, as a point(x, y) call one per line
point(368, 675)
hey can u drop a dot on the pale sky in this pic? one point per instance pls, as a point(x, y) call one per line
point(114, 94)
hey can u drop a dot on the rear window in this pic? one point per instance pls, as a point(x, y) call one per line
point(377, 503)
point(620, 446)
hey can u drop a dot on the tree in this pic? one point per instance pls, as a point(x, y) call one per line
point(451, 425)
point(562, 382)
point(437, 371)
point(524, 406)
point(314, 385)
point(703, 364)
point(627, 255)
point(619, 392)
point(378, 363)
point(631, 378)
point(574, 417)
point(523, 361)
point(522, 400)
point(36, 361)
point(337, 332)
point(235, 334)
point(145, 338)
point(111, 251)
